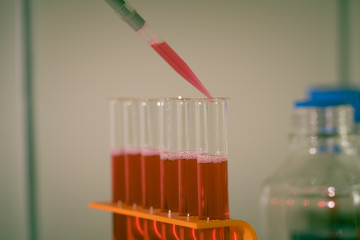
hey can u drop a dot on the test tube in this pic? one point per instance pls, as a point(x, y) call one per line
point(187, 154)
point(150, 115)
point(212, 168)
point(118, 166)
point(132, 153)
point(169, 169)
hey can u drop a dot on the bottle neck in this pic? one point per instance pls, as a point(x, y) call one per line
point(323, 130)
point(335, 144)
point(323, 121)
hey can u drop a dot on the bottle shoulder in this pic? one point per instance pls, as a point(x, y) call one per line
point(319, 170)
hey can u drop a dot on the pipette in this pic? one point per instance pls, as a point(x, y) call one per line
point(136, 22)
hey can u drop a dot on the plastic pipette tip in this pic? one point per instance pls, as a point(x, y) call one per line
point(179, 65)
point(203, 90)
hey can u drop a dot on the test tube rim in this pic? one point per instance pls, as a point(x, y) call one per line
point(199, 99)
point(155, 99)
point(125, 99)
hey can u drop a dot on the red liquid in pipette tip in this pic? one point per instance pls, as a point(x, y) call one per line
point(179, 65)
point(118, 192)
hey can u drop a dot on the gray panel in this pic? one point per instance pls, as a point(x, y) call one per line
point(13, 217)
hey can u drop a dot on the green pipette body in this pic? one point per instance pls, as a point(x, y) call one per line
point(127, 13)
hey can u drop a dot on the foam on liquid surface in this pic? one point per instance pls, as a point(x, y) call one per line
point(117, 152)
point(204, 158)
point(132, 150)
point(150, 151)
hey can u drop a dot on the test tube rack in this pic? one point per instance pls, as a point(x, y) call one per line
point(242, 227)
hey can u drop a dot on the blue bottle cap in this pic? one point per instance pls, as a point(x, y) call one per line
point(350, 94)
point(318, 103)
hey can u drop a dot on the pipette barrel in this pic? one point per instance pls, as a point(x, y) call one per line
point(127, 13)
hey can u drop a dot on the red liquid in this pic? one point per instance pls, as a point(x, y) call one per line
point(175, 61)
point(215, 234)
point(152, 230)
point(170, 232)
point(118, 178)
point(151, 184)
point(151, 191)
point(169, 195)
point(189, 233)
point(213, 187)
point(188, 192)
point(169, 185)
point(135, 228)
point(119, 227)
point(134, 167)
point(134, 193)
point(118, 193)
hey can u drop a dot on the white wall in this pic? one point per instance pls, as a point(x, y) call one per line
point(262, 54)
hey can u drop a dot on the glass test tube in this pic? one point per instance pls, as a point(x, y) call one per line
point(133, 165)
point(169, 169)
point(187, 155)
point(150, 115)
point(212, 165)
point(118, 166)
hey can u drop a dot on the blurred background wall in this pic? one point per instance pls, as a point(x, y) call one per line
point(262, 54)
point(13, 151)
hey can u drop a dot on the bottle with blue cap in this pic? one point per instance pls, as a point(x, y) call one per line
point(315, 194)
point(347, 93)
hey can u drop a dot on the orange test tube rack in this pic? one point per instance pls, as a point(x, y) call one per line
point(242, 229)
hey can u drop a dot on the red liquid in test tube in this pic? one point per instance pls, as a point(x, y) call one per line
point(169, 184)
point(169, 195)
point(188, 191)
point(133, 161)
point(151, 190)
point(151, 176)
point(188, 184)
point(213, 187)
point(134, 167)
point(213, 194)
point(118, 192)
point(216, 234)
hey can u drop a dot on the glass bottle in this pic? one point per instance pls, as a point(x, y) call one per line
point(315, 194)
